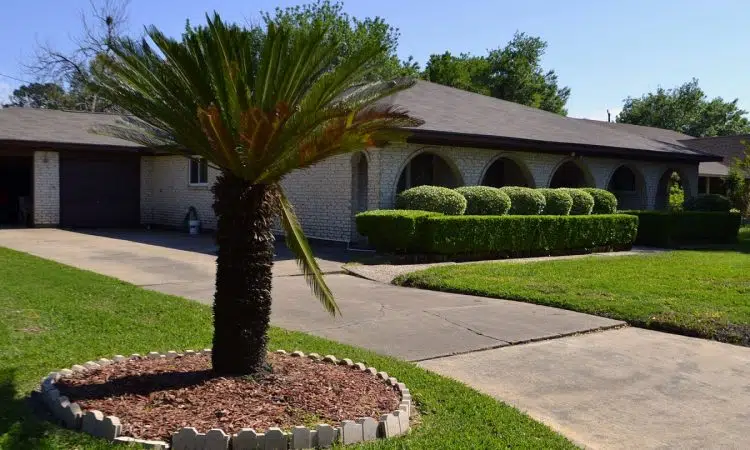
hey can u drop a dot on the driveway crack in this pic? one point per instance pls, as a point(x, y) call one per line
point(462, 325)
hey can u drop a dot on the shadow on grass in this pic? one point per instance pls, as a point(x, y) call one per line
point(21, 418)
point(144, 384)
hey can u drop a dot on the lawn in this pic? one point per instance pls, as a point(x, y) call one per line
point(702, 293)
point(54, 316)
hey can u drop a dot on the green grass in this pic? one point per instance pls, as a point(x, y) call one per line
point(697, 293)
point(54, 316)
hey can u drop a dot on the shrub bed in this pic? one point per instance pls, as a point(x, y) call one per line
point(485, 200)
point(605, 202)
point(432, 198)
point(583, 202)
point(670, 229)
point(557, 202)
point(708, 202)
point(390, 230)
point(472, 237)
point(524, 201)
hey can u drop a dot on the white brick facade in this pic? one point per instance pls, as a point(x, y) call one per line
point(325, 196)
point(166, 193)
point(46, 188)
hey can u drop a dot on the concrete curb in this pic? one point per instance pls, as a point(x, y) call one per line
point(363, 429)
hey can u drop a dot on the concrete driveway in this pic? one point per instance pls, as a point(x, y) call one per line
point(406, 323)
point(617, 388)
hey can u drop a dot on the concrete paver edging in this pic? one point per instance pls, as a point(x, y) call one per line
point(363, 429)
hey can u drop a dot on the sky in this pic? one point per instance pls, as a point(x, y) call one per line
point(604, 50)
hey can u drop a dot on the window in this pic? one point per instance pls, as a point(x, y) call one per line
point(198, 171)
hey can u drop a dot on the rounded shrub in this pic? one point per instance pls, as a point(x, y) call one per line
point(558, 203)
point(524, 201)
point(432, 198)
point(605, 202)
point(583, 202)
point(708, 202)
point(485, 200)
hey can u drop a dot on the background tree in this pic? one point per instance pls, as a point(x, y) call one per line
point(512, 73)
point(256, 114)
point(101, 26)
point(686, 109)
point(40, 95)
point(351, 33)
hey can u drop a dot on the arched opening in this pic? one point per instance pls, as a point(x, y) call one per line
point(628, 187)
point(430, 169)
point(506, 172)
point(662, 190)
point(570, 175)
point(359, 191)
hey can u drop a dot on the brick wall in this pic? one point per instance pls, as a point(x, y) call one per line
point(46, 188)
point(166, 193)
point(322, 195)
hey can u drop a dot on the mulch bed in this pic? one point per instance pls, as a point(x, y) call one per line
point(156, 398)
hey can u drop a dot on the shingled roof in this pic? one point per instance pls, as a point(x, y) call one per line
point(55, 127)
point(466, 118)
point(452, 117)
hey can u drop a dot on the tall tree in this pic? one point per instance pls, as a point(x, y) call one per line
point(256, 114)
point(351, 33)
point(101, 26)
point(512, 73)
point(686, 109)
point(40, 95)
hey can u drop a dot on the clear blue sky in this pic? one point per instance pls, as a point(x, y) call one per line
point(604, 50)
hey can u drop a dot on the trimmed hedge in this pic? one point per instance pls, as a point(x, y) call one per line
point(605, 202)
point(432, 198)
point(708, 202)
point(471, 237)
point(485, 200)
point(524, 201)
point(670, 229)
point(391, 230)
point(583, 202)
point(557, 203)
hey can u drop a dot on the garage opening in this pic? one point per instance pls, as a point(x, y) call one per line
point(99, 190)
point(16, 187)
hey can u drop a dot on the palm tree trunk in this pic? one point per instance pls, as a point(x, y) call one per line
point(242, 303)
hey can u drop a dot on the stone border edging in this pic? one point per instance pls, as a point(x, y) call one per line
point(364, 429)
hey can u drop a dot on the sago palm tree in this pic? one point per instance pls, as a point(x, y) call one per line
point(257, 104)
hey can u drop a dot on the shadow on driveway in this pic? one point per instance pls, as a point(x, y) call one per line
point(204, 243)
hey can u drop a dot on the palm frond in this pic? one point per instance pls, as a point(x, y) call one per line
point(297, 243)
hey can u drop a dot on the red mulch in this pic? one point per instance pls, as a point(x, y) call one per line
point(155, 398)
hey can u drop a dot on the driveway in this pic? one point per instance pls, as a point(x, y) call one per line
point(406, 323)
point(613, 388)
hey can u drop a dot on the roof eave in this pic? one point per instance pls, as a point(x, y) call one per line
point(74, 146)
point(433, 137)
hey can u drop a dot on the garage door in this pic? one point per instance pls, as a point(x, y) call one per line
point(99, 190)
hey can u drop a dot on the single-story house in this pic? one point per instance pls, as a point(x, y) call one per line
point(55, 172)
point(712, 174)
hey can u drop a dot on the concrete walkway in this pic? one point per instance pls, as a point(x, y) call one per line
point(617, 388)
point(386, 273)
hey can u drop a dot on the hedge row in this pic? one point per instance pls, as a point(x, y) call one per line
point(515, 200)
point(671, 229)
point(469, 237)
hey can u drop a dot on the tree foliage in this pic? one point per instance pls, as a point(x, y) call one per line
point(351, 33)
point(512, 73)
point(40, 95)
point(675, 192)
point(737, 182)
point(686, 109)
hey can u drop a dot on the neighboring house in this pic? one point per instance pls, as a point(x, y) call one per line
point(712, 174)
point(73, 178)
